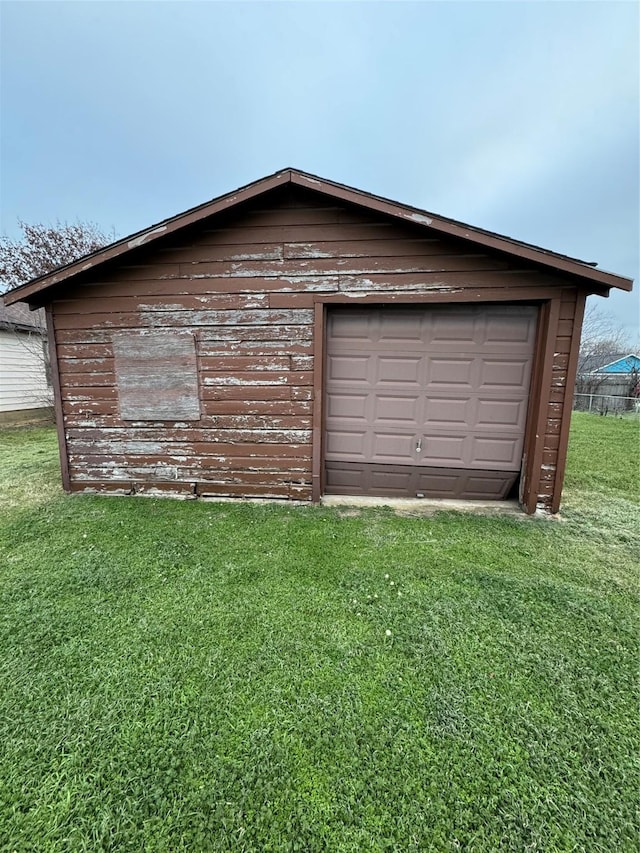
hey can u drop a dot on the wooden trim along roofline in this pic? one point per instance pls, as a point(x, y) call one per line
point(590, 276)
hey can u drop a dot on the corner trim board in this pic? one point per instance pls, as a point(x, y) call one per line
point(318, 397)
point(57, 396)
point(567, 407)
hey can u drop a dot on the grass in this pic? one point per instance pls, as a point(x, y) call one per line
point(190, 676)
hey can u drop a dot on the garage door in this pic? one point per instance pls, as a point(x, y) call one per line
point(427, 401)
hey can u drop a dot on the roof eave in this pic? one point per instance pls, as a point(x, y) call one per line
point(467, 232)
point(146, 236)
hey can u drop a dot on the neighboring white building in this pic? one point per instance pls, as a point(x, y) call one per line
point(26, 393)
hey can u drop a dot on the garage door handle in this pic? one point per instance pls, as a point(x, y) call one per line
point(418, 445)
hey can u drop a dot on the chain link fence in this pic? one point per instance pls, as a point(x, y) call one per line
point(606, 404)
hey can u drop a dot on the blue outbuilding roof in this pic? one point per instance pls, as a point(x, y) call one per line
point(623, 365)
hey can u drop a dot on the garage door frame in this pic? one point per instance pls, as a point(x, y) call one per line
point(548, 301)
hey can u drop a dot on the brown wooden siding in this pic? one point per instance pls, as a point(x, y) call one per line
point(247, 289)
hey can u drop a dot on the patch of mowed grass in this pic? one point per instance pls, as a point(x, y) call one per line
point(605, 455)
point(185, 676)
point(29, 466)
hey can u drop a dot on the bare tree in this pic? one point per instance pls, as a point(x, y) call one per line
point(42, 248)
point(601, 335)
point(602, 341)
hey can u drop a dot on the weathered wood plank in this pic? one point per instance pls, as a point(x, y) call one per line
point(561, 360)
point(272, 408)
point(342, 266)
point(397, 248)
point(292, 300)
point(553, 427)
point(264, 377)
point(567, 310)
point(89, 394)
point(126, 487)
point(176, 287)
point(184, 319)
point(241, 392)
point(301, 362)
point(236, 364)
point(569, 295)
point(246, 490)
point(318, 214)
point(231, 419)
point(255, 349)
point(563, 344)
point(85, 365)
point(188, 467)
point(198, 449)
point(306, 233)
point(240, 335)
point(88, 408)
point(189, 436)
point(68, 352)
point(304, 392)
point(281, 335)
point(101, 486)
point(222, 252)
point(94, 303)
point(87, 380)
point(557, 395)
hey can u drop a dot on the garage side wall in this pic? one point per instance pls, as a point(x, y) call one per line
point(246, 290)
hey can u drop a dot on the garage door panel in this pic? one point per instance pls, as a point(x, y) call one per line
point(504, 373)
point(347, 405)
point(401, 327)
point(512, 328)
point(401, 409)
point(456, 327)
point(470, 485)
point(445, 450)
point(492, 413)
point(352, 326)
point(437, 389)
point(393, 447)
point(443, 371)
point(398, 370)
point(449, 412)
point(382, 479)
point(350, 368)
point(346, 479)
point(396, 481)
point(491, 452)
point(351, 445)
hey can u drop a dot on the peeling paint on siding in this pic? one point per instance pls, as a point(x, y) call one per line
point(138, 241)
point(421, 218)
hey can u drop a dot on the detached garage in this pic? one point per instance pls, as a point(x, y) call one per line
point(299, 338)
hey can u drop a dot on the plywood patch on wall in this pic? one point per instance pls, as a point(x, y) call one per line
point(156, 376)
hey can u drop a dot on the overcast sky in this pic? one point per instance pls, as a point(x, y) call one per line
point(518, 117)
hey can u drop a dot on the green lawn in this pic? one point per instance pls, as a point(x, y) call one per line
point(191, 676)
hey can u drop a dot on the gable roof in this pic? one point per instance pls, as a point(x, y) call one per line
point(623, 364)
point(598, 280)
